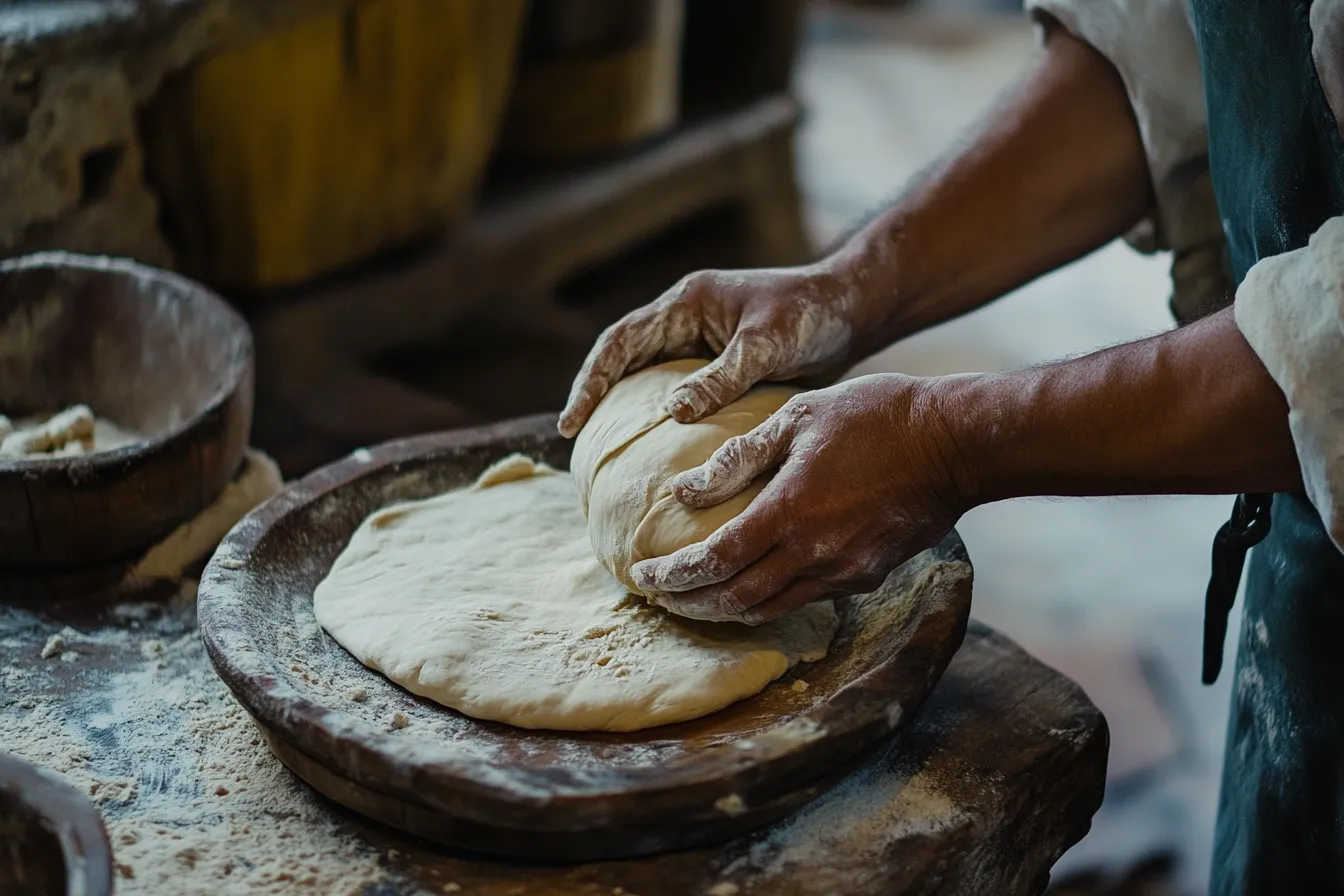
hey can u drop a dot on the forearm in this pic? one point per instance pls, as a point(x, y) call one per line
point(1192, 411)
point(1056, 170)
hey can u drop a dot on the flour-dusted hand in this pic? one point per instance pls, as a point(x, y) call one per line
point(770, 324)
point(867, 476)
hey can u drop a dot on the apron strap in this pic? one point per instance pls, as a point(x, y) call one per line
point(1247, 527)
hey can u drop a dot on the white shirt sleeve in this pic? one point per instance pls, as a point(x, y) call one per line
point(1151, 43)
point(1291, 310)
point(1289, 307)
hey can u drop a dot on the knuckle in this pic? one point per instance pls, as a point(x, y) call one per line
point(732, 452)
point(693, 284)
point(730, 605)
point(862, 575)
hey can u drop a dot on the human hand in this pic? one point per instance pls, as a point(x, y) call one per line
point(770, 324)
point(867, 477)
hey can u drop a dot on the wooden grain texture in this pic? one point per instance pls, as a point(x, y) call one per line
point(52, 842)
point(556, 795)
point(152, 352)
point(321, 145)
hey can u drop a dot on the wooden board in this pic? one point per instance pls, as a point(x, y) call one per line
point(554, 795)
point(152, 352)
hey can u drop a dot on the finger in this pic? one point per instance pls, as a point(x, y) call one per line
point(629, 342)
point(749, 357)
point(731, 548)
point(733, 599)
point(794, 596)
point(737, 462)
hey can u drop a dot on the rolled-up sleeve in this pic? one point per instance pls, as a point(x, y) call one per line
point(1290, 308)
point(1151, 43)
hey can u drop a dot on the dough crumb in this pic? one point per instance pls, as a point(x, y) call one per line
point(800, 686)
point(359, 695)
point(452, 887)
point(69, 656)
point(724, 889)
point(730, 805)
point(399, 720)
point(55, 644)
point(115, 792)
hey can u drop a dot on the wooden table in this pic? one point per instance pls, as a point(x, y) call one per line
point(999, 773)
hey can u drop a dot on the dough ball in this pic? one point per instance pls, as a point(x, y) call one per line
point(630, 448)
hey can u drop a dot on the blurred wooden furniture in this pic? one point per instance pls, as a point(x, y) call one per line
point(394, 345)
point(736, 53)
point(594, 76)
point(318, 346)
point(320, 145)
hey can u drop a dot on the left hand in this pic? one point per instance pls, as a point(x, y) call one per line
point(868, 476)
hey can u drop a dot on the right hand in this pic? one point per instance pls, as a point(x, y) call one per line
point(771, 324)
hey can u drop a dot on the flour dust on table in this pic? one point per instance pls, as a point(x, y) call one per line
point(489, 600)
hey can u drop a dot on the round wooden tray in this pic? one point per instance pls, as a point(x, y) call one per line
point(549, 795)
point(52, 842)
point(148, 349)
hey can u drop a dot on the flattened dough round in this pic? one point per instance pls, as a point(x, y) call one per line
point(631, 447)
point(489, 600)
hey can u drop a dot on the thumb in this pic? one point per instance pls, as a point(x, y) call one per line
point(735, 465)
point(748, 358)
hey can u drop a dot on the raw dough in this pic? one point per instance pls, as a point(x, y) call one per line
point(631, 446)
point(489, 600)
point(72, 432)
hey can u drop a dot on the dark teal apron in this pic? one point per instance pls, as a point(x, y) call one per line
point(1278, 170)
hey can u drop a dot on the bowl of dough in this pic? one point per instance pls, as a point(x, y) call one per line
point(125, 407)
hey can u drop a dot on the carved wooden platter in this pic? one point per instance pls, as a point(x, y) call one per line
point(491, 788)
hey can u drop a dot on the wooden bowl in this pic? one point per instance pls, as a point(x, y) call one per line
point(52, 842)
point(152, 352)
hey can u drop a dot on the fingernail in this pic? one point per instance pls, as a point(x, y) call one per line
point(642, 573)
point(689, 482)
point(751, 617)
point(683, 405)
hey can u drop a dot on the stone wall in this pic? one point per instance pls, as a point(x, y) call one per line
point(73, 74)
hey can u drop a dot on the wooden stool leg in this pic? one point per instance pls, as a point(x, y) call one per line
point(775, 229)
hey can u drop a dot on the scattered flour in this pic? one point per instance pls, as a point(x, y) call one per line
point(55, 644)
point(193, 801)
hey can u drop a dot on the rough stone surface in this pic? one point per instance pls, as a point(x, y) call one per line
point(72, 75)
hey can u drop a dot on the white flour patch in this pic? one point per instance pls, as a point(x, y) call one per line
point(193, 801)
point(846, 832)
